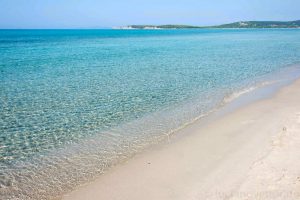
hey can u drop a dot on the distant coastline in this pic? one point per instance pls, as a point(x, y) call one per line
point(241, 24)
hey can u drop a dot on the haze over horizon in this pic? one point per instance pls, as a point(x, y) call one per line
point(98, 14)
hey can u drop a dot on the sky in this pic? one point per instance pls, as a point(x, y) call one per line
point(110, 13)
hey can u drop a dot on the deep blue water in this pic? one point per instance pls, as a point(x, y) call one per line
point(74, 102)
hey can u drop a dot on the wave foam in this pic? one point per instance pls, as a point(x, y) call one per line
point(231, 97)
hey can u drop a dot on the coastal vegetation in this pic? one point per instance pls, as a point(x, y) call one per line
point(241, 24)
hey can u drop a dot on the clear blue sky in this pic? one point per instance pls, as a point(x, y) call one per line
point(107, 13)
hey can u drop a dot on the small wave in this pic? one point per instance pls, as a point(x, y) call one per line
point(235, 95)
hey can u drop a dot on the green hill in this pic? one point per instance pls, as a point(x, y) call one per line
point(261, 24)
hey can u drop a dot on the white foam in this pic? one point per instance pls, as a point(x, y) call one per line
point(235, 95)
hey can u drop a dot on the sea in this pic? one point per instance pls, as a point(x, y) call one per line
point(74, 103)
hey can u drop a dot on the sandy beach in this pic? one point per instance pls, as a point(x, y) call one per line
point(251, 153)
point(164, 100)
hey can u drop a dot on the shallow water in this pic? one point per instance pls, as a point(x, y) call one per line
point(75, 102)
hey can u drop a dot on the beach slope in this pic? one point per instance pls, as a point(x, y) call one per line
point(251, 153)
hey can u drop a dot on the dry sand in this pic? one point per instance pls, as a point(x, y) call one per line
point(251, 153)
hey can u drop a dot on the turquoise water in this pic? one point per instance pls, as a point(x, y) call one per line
point(75, 102)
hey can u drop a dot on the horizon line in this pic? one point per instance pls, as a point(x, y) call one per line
point(112, 27)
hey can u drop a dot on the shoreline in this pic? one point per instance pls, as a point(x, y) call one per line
point(213, 160)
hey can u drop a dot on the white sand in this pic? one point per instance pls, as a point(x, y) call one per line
point(251, 153)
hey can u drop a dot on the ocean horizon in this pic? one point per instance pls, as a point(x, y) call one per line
point(76, 102)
